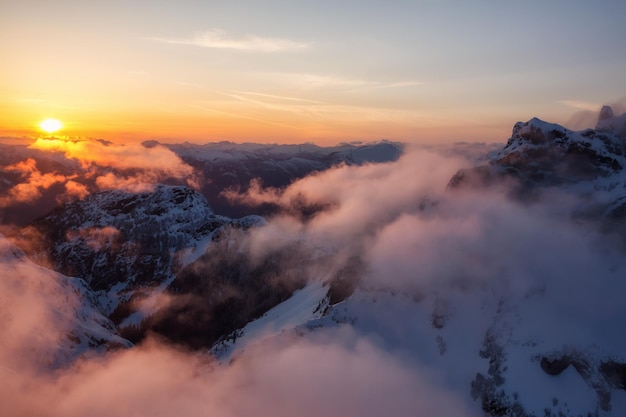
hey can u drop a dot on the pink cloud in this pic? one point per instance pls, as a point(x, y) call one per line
point(76, 189)
point(34, 182)
point(157, 159)
point(135, 184)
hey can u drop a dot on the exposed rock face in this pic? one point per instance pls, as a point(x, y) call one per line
point(546, 154)
point(601, 376)
point(128, 246)
point(608, 122)
point(117, 237)
point(540, 156)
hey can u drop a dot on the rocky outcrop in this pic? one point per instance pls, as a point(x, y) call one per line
point(546, 154)
point(116, 237)
point(541, 156)
point(602, 376)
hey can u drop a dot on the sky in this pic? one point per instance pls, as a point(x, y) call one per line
point(423, 71)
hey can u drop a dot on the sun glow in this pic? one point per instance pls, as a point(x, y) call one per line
point(50, 125)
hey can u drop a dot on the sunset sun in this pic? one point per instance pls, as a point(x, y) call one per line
point(50, 125)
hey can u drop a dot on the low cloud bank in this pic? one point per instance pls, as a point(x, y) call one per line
point(338, 373)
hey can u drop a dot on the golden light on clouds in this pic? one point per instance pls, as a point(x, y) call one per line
point(51, 125)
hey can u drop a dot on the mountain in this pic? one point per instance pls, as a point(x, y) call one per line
point(543, 157)
point(540, 153)
point(129, 247)
point(161, 261)
point(48, 319)
point(546, 154)
point(228, 165)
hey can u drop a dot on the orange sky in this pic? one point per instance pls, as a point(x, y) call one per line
point(320, 71)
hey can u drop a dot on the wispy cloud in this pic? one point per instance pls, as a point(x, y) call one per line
point(303, 100)
point(400, 84)
point(310, 81)
point(238, 116)
point(581, 105)
point(219, 39)
point(316, 81)
point(260, 103)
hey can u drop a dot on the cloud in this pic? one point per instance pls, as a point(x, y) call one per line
point(219, 39)
point(260, 103)
point(296, 377)
point(587, 115)
point(411, 235)
point(308, 81)
point(38, 310)
point(74, 190)
point(352, 201)
point(130, 156)
point(34, 182)
point(336, 373)
point(402, 84)
point(272, 96)
point(149, 165)
point(137, 183)
point(581, 105)
point(239, 116)
point(312, 81)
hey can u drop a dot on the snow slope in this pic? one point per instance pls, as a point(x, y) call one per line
point(47, 319)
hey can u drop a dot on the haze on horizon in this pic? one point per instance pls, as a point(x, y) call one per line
point(326, 72)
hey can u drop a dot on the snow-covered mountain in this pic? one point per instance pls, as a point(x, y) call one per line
point(228, 165)
point(272, 154)
point(48, 319)
point(541, 155)
point(128, 247)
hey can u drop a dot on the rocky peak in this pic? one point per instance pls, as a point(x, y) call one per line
point(606, 113)
point(609, 123)
point(535, 132)
point(540, 154)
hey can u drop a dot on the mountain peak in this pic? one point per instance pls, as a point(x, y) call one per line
point(543, 153)
point(609, 122)
point(606, 113)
